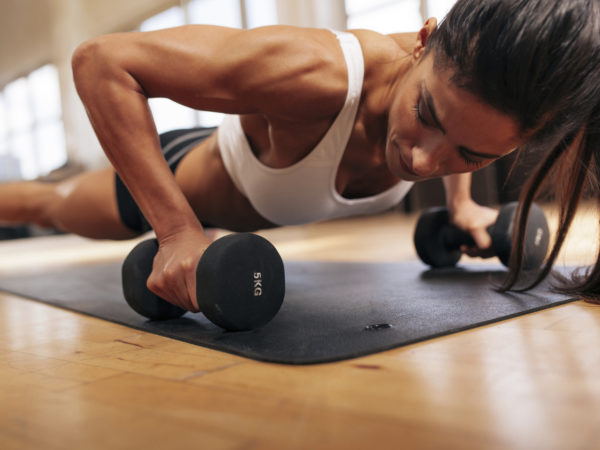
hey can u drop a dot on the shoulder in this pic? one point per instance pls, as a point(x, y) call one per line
point(290, 71)
point(302, 71)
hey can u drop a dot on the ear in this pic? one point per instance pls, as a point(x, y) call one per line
point(423, 37)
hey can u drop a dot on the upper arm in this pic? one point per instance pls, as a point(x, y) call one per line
point(231, 70)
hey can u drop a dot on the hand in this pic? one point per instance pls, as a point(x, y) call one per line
point(173, 276)
point(474, 219)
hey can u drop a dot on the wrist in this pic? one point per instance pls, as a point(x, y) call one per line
point(176, 223)
point(457, 202)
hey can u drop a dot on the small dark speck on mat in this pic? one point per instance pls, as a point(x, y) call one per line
point(378, 327)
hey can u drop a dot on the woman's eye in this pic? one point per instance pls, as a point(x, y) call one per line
point(419, 115)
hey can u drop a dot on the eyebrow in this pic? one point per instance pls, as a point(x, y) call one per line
point(426, 95)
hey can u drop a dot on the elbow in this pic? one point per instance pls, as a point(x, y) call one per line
point(85, 63)
point(93, 61)
point(84, 56)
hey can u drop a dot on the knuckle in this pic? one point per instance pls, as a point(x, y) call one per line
point(155, 288)
point(168, 275)
point(187, 264)
point(152, 283)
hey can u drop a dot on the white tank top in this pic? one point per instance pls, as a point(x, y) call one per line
point(305, 192)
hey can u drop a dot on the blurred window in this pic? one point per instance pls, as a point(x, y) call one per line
point(394, 16)
point(32, 137)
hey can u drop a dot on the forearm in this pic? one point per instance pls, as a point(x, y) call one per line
point(458, 190)
point(119, 112)
point(468, 215)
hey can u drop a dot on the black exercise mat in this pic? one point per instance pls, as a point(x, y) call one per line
point(332, 311)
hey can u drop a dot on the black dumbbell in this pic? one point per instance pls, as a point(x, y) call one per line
point(240, 282)
point(438, 242)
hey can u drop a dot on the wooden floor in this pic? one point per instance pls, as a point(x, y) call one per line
point(68, 381)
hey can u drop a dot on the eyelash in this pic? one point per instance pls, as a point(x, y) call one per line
point(417, 111)
point(468, 161)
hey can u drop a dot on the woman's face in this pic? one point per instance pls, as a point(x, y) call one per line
point(437, 129)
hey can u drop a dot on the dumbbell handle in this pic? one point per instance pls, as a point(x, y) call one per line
point(453, 237)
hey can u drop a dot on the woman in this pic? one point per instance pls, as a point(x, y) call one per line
point(324, 125)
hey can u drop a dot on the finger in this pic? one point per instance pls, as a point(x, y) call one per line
point(482, 239)
point(167, 286)
point(191, 293)
point(180, 297)
point(188, 273)
point(190, 289)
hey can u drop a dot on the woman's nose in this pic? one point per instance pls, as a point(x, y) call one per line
point(426, 161)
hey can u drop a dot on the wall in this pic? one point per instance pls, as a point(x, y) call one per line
point(36, 32)
point(312, 13)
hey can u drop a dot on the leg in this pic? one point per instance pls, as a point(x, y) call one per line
point(84, 204)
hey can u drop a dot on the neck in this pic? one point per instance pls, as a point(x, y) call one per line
point(380, 88)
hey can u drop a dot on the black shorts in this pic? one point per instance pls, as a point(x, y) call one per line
point(175, 145)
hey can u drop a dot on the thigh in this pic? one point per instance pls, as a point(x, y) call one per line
point(86, 205)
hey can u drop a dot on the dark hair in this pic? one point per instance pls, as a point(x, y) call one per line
point(539, 62)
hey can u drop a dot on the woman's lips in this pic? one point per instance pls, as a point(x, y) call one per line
point(405, 167)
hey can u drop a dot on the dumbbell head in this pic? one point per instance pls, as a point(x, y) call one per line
point(429, 239)
point(536, 237)
point(135, 272)
point(240, 282)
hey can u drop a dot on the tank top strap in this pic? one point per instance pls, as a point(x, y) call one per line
point(334, 143)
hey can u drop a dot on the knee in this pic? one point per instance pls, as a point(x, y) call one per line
point(46, 205)
point(50, 203)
